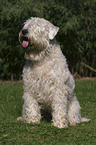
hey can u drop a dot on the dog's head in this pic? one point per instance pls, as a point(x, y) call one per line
point(36, 35)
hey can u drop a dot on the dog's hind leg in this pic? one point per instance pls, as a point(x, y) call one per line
point(74, 115)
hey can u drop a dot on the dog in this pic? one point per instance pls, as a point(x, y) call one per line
point(48, 82)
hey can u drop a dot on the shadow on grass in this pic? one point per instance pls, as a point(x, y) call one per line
point(46, 115)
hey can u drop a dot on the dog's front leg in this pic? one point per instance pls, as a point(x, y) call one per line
point(59, 110)
point(31, 109)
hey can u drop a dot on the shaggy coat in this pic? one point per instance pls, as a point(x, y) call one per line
point(48, 82)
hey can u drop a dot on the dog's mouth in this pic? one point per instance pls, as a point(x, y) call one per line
point(25, 41)
point(25, 44)
point(28, 45)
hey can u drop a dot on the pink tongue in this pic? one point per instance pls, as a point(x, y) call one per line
point(25, 43)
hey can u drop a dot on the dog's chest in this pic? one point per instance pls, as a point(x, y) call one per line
point(38, 80)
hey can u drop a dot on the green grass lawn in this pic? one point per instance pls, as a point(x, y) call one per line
point(13, 132)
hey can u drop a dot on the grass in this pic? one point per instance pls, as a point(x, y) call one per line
point(20, 133)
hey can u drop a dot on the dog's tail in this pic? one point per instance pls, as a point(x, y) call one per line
point(85, 120)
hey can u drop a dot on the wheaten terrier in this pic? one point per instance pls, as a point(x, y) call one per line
point(48, 82)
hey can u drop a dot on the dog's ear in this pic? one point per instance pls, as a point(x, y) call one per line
point(52, 31)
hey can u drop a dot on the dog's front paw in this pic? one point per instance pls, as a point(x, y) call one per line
point(60, 124)
point(20, 119)
point(72, 124)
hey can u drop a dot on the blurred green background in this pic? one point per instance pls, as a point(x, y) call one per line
point(77, 34)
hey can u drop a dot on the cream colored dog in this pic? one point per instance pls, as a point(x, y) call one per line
point(47, 79)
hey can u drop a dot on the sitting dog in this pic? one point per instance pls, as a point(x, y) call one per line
point(48, 82)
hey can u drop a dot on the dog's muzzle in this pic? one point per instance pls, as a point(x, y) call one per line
point(23, 38)
point(24, 32)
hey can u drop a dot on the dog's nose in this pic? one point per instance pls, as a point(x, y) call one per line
point(24, 31)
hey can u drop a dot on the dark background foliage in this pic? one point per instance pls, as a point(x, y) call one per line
point(77, 35)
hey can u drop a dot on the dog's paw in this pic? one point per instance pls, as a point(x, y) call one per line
point(60, 125)
point(85, 120)
point(20, 119)
point(72, 124)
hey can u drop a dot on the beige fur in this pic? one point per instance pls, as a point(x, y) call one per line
point(47, 79)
